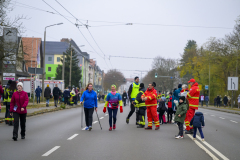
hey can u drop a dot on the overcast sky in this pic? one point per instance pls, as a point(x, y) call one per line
point(131, 40)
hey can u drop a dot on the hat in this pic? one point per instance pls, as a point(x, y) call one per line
point(191, 80)
point(10, 81)
point(170, 93)
point(136, 77)
point(182, 98)
point(180, 86)
point(47, 85)
point(20, 84)
point(142, 85)
point(153, 84)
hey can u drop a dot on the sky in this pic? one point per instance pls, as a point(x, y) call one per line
point(166, 38)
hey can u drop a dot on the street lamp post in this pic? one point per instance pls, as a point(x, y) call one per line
point(43, 75)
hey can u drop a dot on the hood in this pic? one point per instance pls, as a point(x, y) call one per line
point(143, 89)
point(198, 113)
point(195, 84)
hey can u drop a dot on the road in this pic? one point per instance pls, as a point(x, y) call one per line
point(49, 134)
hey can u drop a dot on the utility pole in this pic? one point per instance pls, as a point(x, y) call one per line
point(63, 68)
point(43, 75)
point(70, 68)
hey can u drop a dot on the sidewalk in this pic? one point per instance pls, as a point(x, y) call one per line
point(222, 109)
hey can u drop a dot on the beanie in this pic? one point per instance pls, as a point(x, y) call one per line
point(142, 85)
point(182, 98)
point(20, 84)
point(180, 86)
point(47, 85)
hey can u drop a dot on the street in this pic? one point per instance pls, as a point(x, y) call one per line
point(59, 135)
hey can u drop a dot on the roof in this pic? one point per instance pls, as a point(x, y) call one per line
point(55, 47)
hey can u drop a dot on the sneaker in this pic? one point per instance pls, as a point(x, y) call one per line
point(14, 138)
point(194, 139)
point(90, 128)
point(203, 139)
point(140, 126)
point(137, 123)
point(114, 126)
point(179, 137)
point(86, 129)
point(127, 120)
point(110, 129)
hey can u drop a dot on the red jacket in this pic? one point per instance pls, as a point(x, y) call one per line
point(184, 90)
point(151, 97)
point(170, 102)
point(193, 96)
point(21, 100)
point(1, 91)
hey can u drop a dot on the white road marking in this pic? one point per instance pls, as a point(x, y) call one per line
point(70, 138)
point(204, 148)
point(213, 115)
point(233, 121)
point(213, 149)
point(84, 128)
point(95, 122)
point(221, 118)
point(101, 118)
point(51, 151)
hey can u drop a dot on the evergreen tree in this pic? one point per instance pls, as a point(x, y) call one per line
point(76, 71)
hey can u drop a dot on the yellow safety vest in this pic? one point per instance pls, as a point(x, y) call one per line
point(9, 93)
point(135, 90)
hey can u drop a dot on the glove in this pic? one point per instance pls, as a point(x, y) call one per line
point(104, 109)
point(121, 109)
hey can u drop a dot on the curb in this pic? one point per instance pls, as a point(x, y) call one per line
point(222, 110)
point(44, 111)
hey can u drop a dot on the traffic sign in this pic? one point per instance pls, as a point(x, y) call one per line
point(206, 87)
point(9, 74)
point(232, 83)
point(9, 78)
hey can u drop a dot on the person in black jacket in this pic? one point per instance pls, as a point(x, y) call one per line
point(218, 101)
point(225, 101)
point(140, 104)
point(56, 94)
point(47, 93)
point(161, 109)
point(66, 95)
point(124, 98)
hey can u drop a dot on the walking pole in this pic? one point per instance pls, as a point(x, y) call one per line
point(82, 117)
point(98, 120)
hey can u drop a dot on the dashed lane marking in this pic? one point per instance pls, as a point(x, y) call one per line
point(95, 122)
point(50, 151)
point(221, 118)
point(213, 115)
point(73, 136)
point(233, 121)
point(204, 148)
point(101, 118)
point(213, 149)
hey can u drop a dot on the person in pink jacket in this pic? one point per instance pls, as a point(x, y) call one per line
point(1, 92)
point(18, 109)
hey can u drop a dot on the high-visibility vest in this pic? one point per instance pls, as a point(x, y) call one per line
point(9, 94)
point(135, 90)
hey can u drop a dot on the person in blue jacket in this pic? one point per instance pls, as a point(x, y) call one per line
point(198, 122)
point(90, 101)
point(38, 92)
point(175, 96)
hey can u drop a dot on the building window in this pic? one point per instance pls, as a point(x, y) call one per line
point(49, 69)
point(49, 58)
point(49, 78)
point(58, 59)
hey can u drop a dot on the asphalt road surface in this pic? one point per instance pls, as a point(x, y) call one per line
point(58, 136)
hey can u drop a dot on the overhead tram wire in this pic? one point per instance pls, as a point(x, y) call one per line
point(88, 31)
point(130, 57)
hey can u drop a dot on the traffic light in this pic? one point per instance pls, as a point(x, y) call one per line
point(156, 75)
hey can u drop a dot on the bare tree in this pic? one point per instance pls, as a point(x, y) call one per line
point(113, 77)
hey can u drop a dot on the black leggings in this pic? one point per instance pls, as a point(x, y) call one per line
point(22, 118)
point(169, 114)
point(88, 116)
point(132, 111)
point(160, 116)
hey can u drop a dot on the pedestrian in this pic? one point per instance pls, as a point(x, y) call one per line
point(9, 93)
point(141, 107)
point(56, 93)
point(215, 101)
point(229, 101)
point(207, 100)
point(170, 110)
point(150, 98)
point(1, 92)
point(99, 97)
point(161, 109)
point(176, 95)
point(181, 115)
point(113, 101)
point(77, 95)
point(66, 95)
point(184, 90)
point(132, 93)
point(202, 100)
point(124, 97)
point(47, 94)
point(225, 100)
point(238, 101)
point(38, 92)
point(73, 96)
point(89, 97)
point(198, 122)
point(18, 109)
point(218, 101)
point(193, 98)
point(5, 100)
